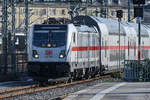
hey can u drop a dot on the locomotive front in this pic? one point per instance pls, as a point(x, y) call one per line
point(47, 52)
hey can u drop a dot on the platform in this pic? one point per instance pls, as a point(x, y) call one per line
point(114, 91)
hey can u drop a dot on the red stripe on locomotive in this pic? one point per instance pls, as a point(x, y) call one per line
point(79, 48)
point(92, 48)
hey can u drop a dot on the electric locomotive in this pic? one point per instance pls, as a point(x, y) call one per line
point(57, 51)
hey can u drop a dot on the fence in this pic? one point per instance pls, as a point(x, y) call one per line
point(20, 67)
point(135, 71)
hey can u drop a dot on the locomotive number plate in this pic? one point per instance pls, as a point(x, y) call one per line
point(48, 52)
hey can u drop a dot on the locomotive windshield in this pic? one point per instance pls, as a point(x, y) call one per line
point(49, 35)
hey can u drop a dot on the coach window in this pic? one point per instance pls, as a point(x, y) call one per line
point(134, 48)
point(128, 47)
point(143, 51)
point(102, 42)
point(74, 37)
point(105, 48)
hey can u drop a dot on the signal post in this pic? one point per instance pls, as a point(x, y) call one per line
point(138, 13)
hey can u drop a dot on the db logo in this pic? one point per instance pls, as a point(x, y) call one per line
point(48, 52)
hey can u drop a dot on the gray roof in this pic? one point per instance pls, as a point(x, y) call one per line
point(112, 25)
point(84, 28)
point(113, 28)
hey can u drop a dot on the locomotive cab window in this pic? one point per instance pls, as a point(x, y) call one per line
point(49, 36)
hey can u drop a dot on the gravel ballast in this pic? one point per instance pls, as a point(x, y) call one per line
point(53, 93)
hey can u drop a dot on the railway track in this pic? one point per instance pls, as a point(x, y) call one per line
point(35, 88)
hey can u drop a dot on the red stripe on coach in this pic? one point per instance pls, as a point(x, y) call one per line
point(145, 47)
point(92, 48)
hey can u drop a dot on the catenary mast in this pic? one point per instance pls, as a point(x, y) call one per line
point(9, 33)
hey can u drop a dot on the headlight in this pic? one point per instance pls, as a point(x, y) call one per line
point(36, 56)
point(61, 56)
point(49, 45)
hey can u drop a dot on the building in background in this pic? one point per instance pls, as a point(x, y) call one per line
point(40, 10)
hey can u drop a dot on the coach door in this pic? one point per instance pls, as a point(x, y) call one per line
point(130, 48)
point(104, 44)
point(131, 40)
point(104, 50)
point(132, 45)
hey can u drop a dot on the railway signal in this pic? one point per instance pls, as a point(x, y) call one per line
point(119, 14)
point(138, 11)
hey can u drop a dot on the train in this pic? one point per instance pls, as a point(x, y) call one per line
point(84, 48)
